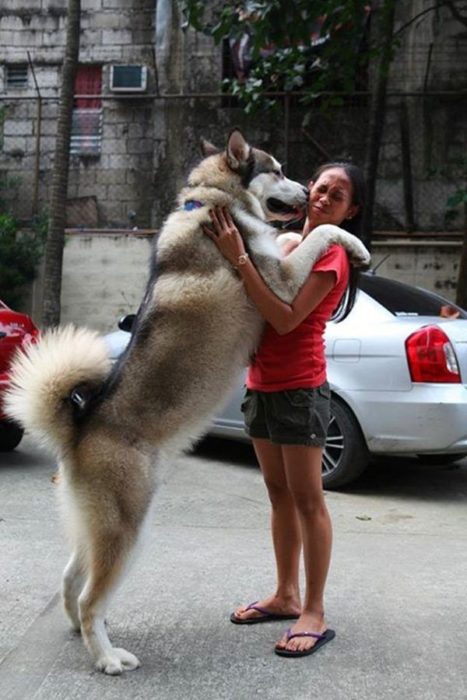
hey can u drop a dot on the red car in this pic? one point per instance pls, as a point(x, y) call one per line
point(16, 331)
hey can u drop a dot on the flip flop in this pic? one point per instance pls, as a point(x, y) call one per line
point(266, 616)
point(322, 640)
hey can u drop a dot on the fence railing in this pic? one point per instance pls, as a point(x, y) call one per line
point(130, 155)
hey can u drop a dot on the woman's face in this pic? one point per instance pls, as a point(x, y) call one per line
point(330, 199)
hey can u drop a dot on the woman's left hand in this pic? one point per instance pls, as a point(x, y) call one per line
point(225, 235)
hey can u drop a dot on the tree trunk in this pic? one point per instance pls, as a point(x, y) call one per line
point(461, 290)
point(57, 208)
point(377, 113)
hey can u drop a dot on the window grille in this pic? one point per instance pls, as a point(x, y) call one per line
point(17, 75)
point(86, 128)
point(86, 132)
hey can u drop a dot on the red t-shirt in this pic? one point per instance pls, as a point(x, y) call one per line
point(296, 360)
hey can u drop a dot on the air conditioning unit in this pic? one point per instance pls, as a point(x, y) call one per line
point(128, 78)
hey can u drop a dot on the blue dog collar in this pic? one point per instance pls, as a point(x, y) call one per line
point(191, 204)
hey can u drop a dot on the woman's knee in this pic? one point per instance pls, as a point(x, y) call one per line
point(310, 504)
point(278, 493)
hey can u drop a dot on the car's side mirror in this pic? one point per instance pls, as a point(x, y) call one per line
point(126, 323)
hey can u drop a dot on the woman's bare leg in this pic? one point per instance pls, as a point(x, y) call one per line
point(303, 471)
point(286, 535)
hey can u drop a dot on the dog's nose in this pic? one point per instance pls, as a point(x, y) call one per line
point(306, 192)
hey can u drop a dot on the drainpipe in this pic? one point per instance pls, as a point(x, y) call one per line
point(35, 195)
point(169, 58)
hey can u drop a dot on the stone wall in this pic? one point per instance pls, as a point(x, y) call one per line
point(112, 32)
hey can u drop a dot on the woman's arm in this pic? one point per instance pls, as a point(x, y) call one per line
point(283, 317)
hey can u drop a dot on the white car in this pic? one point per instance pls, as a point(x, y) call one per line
point(397, 366)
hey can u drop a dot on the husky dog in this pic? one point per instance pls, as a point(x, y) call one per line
point(194, 331)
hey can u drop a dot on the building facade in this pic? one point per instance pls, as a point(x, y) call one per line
point(147, 89)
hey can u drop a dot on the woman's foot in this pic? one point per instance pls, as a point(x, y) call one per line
point(267, 609)
point(307, 622)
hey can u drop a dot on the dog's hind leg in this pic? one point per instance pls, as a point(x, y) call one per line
point(73, 582)
point(108, 559)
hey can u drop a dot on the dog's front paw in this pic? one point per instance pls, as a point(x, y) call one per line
point(359, 255)
point(357, 252)
point(117, 661)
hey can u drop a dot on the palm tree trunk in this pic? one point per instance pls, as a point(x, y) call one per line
point(57, 208)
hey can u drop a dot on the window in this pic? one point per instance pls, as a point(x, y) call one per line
point(403, 300)
point(86, 129)
point(17, 75)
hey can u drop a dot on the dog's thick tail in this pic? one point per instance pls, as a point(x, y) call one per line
point(43, 377)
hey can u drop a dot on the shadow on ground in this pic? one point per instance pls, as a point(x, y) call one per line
point(386, 476)
point(411, 478)
point(27, 456)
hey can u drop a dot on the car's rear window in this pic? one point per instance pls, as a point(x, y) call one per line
point(403, 300)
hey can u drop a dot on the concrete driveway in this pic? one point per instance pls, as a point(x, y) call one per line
point(396, 593)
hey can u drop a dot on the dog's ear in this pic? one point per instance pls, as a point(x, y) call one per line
point(238, 151)
point(207, 148)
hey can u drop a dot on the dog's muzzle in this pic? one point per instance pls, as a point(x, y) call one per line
point(277, 206)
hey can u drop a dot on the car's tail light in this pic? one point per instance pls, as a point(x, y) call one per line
point(431, 356)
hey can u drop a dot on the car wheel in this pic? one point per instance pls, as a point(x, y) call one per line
point(345, 452)
point(441, 459)
point(10, 435)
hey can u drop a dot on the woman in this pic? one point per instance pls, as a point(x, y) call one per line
point(287, 406)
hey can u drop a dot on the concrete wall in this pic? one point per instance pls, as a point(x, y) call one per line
point(105, 274)
point(433, 265)
point(433, 52)
point(431, 58)
point(104, 278)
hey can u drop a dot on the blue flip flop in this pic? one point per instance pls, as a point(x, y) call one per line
point(322, 639)
point(266, 616)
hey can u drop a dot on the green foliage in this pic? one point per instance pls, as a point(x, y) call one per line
point(280, 33)
point(20, 253)
point(455, 201)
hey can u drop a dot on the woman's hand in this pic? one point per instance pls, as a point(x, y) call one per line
point(283, 317)
point(226, 236)
point(288, 247)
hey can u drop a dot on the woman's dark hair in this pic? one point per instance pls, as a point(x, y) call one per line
point(353, 225)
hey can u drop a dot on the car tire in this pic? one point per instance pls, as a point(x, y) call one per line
point(441, 459)
point(345, 453)
point(10, 435)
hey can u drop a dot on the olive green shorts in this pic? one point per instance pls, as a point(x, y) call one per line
point(292, 417)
